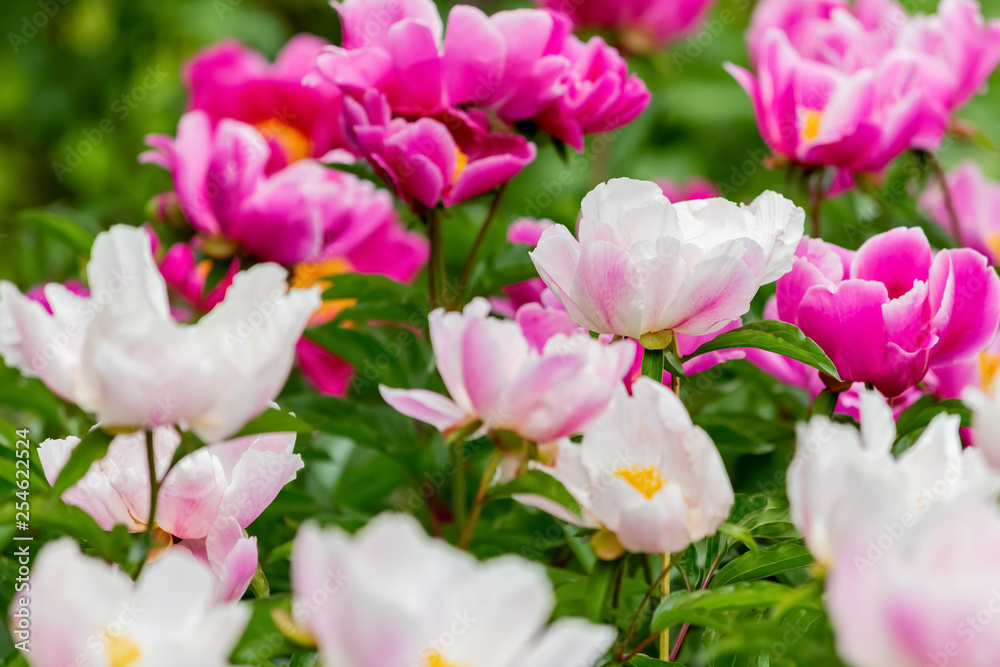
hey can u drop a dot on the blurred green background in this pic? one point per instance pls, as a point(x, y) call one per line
point(79, 93)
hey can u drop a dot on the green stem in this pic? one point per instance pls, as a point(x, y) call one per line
point(154, 492)
point(458, 499)
point(949, 203)
point(675, 380)
point(477, 503)
point(826, 403)
point(816, 196)
point(435, 264)
point(470, 263)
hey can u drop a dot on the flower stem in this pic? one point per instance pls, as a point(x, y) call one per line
point(458, 490)
point(665, 588)
point(470, 263)
point(675, 380)
point(675, 651)
point(435, 264)
point(154, 491)
point(949, 203)
point(477, 503)
point(816, 196)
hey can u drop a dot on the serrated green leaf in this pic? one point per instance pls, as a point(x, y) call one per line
point(773, 336)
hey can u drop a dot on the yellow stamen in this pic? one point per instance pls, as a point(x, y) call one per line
point(122, 651)
point(993, 243)
point(295, 144)
point(461, 162)
point(309, 275)
point(811, 122)
point(989, 364)
point(646, 479)
point(434, 659)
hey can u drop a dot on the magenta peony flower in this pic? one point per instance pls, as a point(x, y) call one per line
point(893, 310)
point(854, 85)
point(519, 65)
point(228, 80)
point(642, 25)
point(425, 162)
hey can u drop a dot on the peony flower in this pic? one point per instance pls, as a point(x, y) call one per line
point(236, 478)
point(301, 213)
point(119, 354)
point(643, 473)
point(817, 114)
point(800, 375)
point(926, 596)
point(496, 375)
point(893, 310)
point(642, 25)
point(853, 85)
point(519, 65)
point(977, 206)
point(84, 611)
point(840, 478)
point(229, 81)
point(424, 163)
point(645, 266)
point(443, 607)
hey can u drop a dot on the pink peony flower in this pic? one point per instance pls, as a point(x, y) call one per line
point(227, 80)
point(518, 65)
point(643, 473)
point(87, 612)
point(302, 213)
point(977, 206)
point(644, 266)
point(693, 188)
point(893, 310)
point(444, 607)
point(798, 374)
point(497, 375)
point(916, 601)
point(424, 162)
point(642, 25)
point(853, 85)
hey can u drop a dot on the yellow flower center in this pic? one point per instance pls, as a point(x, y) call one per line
point(461, 162)
point(989, 364)
point(295, 144)
point(309, 275)
point(434, 659)
point(646, 479)
point(993, 243)
point(810, 124)
point(122, 651)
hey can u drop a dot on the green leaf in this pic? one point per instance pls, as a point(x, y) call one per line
point(368, 286)
point(765, 562)
point(360, 350)
point(920, 414)
point(62, 227)
point(262, 640)
point(598, 587)
point(274, 421)
point(92, 447)
point(703, 607)
point(672, 363)
point(773, 336)
point(652, 365)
